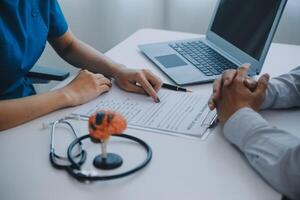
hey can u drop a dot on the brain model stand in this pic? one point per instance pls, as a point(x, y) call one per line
point(102, 125)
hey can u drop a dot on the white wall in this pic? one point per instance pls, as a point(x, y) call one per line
point(194, 16)
point(104, 23)
point(189, 15)
point(289, 27)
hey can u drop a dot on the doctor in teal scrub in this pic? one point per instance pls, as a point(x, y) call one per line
point(25, 27)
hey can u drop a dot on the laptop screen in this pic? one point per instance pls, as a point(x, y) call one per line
point(246, 24)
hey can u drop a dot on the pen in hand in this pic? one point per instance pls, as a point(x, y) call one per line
point(150, 91)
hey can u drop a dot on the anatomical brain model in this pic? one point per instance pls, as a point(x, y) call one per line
point(103, 124)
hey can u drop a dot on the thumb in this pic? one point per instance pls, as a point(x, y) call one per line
point(250, 83)
point(262, 84)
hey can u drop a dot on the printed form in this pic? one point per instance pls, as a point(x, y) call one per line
point(177, 113)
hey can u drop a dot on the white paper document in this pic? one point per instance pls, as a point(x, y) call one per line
point(177, 113)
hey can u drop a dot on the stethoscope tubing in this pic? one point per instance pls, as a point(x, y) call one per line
point(53, 156)
point(82, 177)
point(74, 167)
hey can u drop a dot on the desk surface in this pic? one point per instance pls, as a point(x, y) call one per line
point(181, 168)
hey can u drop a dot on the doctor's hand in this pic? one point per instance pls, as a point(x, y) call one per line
point(138, 81)
point(85, 87)
point(226, 80)
point(237, 95)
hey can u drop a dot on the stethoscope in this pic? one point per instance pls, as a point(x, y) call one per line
point(74, 161)
point(54, 157)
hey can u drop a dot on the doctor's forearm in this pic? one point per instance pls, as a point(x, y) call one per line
point(18, 111)
point(82, 55)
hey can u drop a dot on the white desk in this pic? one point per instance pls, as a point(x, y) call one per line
point(215, 169)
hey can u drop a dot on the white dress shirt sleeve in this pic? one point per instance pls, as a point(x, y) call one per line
point(273, 153)
point(284, 91)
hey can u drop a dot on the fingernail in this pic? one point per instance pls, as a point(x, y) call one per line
point(267, 76)
point(247, 65)
point(226, 82)
point(157, 100)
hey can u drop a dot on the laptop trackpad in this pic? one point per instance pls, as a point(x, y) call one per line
point(169, 61)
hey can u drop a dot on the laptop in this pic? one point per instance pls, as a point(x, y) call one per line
point(239, 32)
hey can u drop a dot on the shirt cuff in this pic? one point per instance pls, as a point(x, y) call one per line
point(242, 125)
point(270, 95)
point(266, 103)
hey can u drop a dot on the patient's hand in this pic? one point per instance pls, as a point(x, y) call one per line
point(85, 87)
point(237, 95)
point(226, 80)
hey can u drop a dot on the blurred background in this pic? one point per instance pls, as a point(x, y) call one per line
point(105, 23)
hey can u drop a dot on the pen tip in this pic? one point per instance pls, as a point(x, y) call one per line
point(189, 90)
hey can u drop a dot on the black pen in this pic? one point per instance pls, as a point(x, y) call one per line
point(174, 87)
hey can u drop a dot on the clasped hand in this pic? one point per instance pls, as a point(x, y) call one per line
point(236, 90)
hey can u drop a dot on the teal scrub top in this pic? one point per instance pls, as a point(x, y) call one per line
point(25, 26)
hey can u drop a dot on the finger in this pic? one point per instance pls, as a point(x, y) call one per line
point(242, 71)
point(217, 87)
point(154, 80)
point(135, 88)
point(102, 89)
point(211, 104)
point(99, 75)
point(250, 83)
point(262, 84)
point(105, 81)
point(228, 76)
point(84, 71)
point(147, 87)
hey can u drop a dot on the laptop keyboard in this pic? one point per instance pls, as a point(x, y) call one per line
point(207, 60)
